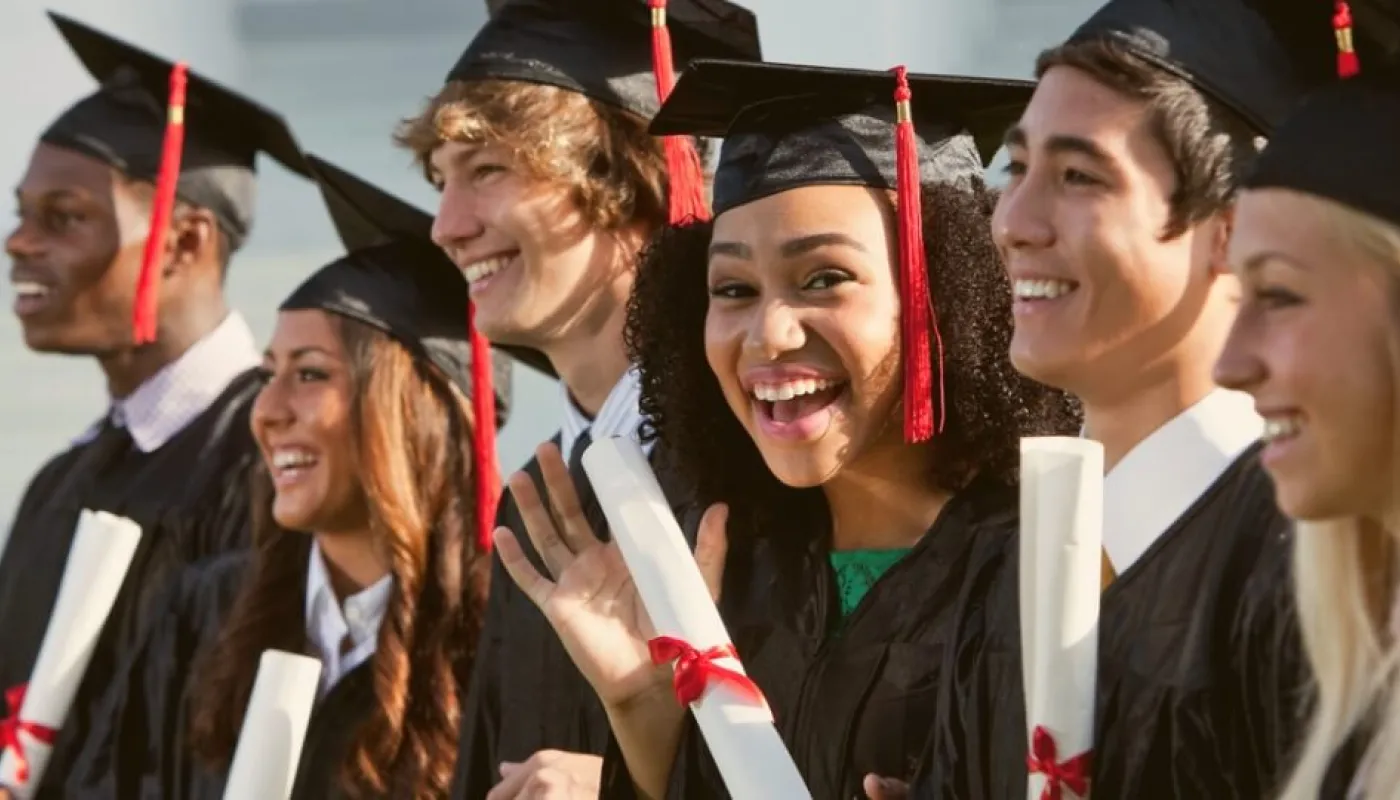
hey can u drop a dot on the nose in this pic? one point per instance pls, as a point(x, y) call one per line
point(23, 242)
point(1021, 219)
point(457, 222)
point(271, 408)
point(774, 329)
point(1240, 366)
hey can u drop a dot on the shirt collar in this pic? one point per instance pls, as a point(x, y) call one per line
point(327, 624)
point(1164, 474)
point(185, 388)
point(620, 415)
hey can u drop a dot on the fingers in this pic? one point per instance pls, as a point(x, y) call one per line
point(878, 788)
point(712, 546)
point(550, 774)
point(535, 586)
point(544, 534)
point(574, 527)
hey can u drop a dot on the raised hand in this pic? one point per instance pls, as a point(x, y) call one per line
point(592, 602)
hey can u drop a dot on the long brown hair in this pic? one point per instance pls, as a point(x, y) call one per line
point(413, 444)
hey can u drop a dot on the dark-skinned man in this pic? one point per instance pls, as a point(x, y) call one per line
point(173, 448)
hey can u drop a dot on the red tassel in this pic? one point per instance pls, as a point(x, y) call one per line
point(488, 479)
point(687, 177)
point(162, 206)
point(917, 314)
point(1348, 65)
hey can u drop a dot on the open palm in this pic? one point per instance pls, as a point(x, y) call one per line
point(593, 603)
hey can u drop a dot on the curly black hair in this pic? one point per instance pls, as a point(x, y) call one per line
point(990, 406)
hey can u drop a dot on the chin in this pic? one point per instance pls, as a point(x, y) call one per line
point(293, 516)
point(804, 469)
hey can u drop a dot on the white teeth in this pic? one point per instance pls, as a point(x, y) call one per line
point(291, 459)
point(29, 289)
point(485, 268)
point(1280, 428)
point(1026, 289)
point(775, 392)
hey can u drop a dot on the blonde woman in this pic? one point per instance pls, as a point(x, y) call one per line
point(1317, 342)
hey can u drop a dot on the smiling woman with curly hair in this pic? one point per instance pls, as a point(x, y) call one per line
point(782, 358)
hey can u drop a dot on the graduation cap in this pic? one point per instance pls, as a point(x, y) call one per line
point(1245, 54)
point(1343, 142)
point(394, 279)
point(155, 121)
point(619, 52)
point(787, 126)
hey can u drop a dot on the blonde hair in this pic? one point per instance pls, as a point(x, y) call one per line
point(1345, 577)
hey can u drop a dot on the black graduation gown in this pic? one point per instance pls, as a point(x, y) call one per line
point(848, 699)
point(140, 749)
point(526, 694)
point(1201, 670)
point(191, 499)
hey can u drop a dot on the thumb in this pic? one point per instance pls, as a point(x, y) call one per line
point(877, 788)
point(711, 547)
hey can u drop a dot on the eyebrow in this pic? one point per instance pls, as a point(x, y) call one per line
point(299, 352)
point(1060, 143)
point(51, 195)
point(792, 248)
point(1257, 261)
point(461, 156)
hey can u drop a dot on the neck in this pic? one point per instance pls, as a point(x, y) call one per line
point(353, 562)
point(128, 368)
point(886, 502)
point(1122, 417)
point(593, 358)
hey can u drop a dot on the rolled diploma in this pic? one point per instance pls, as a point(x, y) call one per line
point(103, 547)
point(269, 746)
point(1061, 547)
point(751, 757)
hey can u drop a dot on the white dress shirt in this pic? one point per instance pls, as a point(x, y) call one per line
point(620, 415)
point(185, 388)
point(328, 625)
point(1166, 473)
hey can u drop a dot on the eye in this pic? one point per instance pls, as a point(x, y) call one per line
point(264, 375)
point(1076, 177)
point(57, 220)
point(1014, 168)
point(732, 290)
point(827, 279)
point(1275, 297)
point(311, 375)
point(485, 170)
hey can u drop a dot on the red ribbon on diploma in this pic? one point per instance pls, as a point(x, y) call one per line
point(695, 669)
point(12, 726)
point(1044, 759)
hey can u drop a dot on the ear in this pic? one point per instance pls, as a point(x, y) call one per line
point(1221, 229)
point(193, 239)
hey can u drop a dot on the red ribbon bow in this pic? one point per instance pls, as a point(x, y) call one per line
point(1044, 759)
point(12, 726)
point(695, 669)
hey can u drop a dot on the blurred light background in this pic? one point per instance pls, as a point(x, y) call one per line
point(343, 72)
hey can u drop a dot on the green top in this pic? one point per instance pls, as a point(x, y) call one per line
point(857, 571)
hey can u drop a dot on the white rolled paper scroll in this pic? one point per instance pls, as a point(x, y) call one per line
point(1060, 561)
point(103, 547)
point(269, 746)
point(751, 757)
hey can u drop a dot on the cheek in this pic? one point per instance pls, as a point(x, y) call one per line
point(723, 348)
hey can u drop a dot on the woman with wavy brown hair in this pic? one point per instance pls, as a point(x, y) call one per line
point(364, 551)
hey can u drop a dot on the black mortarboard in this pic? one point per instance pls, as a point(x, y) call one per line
point(602, 48)
point(787, 126)
point(1343, 141)
point(1242, 53)
point(393, 278)
point(124, 124)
